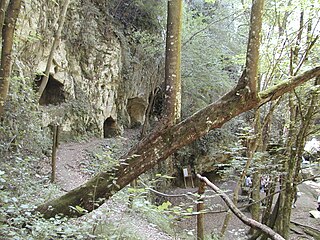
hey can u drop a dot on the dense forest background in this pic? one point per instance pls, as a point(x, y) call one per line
point(231, 90)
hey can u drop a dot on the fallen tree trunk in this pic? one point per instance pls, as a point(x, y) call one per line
point(162, 143)
point(311, 231)
point(246, 220)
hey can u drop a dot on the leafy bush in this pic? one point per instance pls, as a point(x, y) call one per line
point(137, 14)
point(21, 128)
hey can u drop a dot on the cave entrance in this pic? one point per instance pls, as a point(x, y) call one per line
point(110, 128)
point(53, 92)
point(136, 108)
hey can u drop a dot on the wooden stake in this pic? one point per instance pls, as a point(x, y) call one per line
point(54, 152)
point(200, 208)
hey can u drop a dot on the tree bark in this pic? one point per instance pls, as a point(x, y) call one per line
point(249, 79)
point(162, 143)
point(173, 62)
point(3, 4)
point(252, 58)
point(10, 20)
point(298, 125)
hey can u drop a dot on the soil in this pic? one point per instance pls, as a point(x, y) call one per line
point(72, 157)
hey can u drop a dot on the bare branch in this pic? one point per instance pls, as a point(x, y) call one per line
point(246, 220)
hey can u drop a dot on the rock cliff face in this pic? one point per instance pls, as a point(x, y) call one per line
point(100, 79)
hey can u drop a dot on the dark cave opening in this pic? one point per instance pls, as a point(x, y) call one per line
point(136, 109)
point(110, 128)
point(53, 92)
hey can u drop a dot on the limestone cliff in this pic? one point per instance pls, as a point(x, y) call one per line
point(101, 77)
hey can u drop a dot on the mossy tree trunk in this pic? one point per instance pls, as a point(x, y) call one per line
point(10, 19)
point(298, 134)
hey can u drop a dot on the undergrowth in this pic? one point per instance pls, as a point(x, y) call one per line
point(25, 183)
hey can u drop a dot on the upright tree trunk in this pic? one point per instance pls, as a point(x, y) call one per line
point(299, 123)
point(250, 75)
point(10, 20)
point(252, 59)
point(172, 103)
point(173, 62)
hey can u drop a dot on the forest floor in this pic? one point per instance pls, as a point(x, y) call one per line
point(72, 162)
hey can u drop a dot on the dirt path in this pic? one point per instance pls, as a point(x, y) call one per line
point(72, 157)
point(69, 159)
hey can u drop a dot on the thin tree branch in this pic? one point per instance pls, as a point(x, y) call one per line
point(208, 26)
point(246, 220)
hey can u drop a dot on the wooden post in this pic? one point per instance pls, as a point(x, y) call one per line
point(54, 152)
point(200, 207)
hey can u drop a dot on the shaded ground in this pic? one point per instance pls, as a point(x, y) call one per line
point(309, 190)
point(72, 162)
point(306, 202)
point(73, 169)
point(214, 220)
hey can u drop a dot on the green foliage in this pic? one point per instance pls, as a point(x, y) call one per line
point(21, 129)
point(210, 53)
point(138, 14)
point(23, 186)
point(164, 206)
point(281, 49)
point(103, 158)
point(21, 193)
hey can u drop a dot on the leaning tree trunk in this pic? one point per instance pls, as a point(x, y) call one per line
point(45, 78)
point(162, 143)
